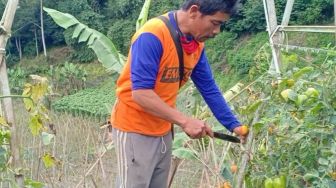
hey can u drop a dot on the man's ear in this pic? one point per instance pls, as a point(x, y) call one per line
point(193, 11)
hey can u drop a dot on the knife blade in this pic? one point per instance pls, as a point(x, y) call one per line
point(226, 137)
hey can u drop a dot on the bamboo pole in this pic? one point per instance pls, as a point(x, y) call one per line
point(287, 13)
point(271, 20)
point(6, 25)
point(286, 18)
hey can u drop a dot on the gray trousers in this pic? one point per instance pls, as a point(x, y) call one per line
point(143, 161)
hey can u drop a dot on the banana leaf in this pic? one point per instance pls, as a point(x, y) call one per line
point(142, 19)
point(103, 47)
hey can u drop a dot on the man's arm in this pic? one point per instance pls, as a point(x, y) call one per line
point(205, 83)
point(153, 104)
point(146, 54)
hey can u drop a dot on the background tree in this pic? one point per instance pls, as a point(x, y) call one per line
point(42, 29)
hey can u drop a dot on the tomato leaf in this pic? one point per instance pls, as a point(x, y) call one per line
point(309, 177)
point(3, 122)
point(226, 173)
point(184, 153)
point(33, 184)
point(323, 161)
point(35, 124)
point(179, 140)
point(48, 160)
point(47, 138)
point(253, 107)
point(302, 71)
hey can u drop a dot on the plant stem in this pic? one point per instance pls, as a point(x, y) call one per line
point(246, 156)
point(15, 96)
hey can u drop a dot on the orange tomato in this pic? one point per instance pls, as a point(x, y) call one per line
point(244, 130)
point(234, 168)
point(333, 175)
point(227, 185)
point(270, 129)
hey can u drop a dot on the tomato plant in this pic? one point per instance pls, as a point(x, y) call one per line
point(295, 137)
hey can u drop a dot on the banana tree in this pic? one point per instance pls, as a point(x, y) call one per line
point(143, 15)
point(103, 47)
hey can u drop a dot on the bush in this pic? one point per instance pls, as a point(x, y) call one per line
point(68, 78)
point(250, 17)
point(217, 48)
point(12, 60)
point(17, 78)
point(37, 65)
point(242, 57)
point(121, 33)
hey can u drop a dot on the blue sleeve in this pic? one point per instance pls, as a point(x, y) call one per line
point(205, 83)
point(146, 52)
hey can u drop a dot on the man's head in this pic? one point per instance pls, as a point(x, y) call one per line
point(206, 16)
point(210, 7)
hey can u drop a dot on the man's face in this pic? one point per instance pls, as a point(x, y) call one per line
point(207, 26)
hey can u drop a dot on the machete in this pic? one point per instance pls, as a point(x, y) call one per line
point(226, 137)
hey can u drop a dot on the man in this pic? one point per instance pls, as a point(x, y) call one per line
point(148, 86)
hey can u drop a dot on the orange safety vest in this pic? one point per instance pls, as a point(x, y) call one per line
point(127, 115)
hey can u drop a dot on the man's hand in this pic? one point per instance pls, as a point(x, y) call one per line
point(242, 131)
point(195, 128)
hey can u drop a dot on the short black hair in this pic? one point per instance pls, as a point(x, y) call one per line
point(210, 7)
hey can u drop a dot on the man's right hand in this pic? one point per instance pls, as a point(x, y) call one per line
point(195, 128)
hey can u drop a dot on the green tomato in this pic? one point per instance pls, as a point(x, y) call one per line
point(312, 92)
point(301, 99)
point(278, 183)
point(290, 82)
point(268, 183)
point(285, 94)
point(283, 180)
